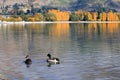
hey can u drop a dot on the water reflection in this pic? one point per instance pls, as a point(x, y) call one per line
point(90, 51)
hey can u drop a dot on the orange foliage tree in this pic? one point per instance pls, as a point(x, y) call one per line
point(60, 15)
point(112, 16)
point(94, 16)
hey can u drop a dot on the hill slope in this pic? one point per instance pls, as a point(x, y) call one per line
point(95, 4)
point(68, 4)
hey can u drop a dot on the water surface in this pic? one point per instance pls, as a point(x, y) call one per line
point(87, 51)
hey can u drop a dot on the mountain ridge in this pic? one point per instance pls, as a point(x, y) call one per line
point(66, 4)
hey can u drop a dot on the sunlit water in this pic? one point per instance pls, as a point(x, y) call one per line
point(86, 51)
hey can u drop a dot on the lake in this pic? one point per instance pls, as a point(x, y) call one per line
point(87, 51)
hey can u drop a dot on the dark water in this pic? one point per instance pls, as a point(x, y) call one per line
point(87, 51)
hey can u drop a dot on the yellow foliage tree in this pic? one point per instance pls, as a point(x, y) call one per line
point(38, 17)
point(103, 16)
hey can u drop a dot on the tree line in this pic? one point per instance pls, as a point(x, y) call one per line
point(58, 15)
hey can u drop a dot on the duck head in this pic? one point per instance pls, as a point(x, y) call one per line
point(27, 56)
point(49, 56)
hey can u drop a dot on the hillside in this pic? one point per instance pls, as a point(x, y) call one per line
point(67, 4)
point(95, 4)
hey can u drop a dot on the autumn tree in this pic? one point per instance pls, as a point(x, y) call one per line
point(60, 15)
point(103, 16)
point(94, 16)
point(112, 16)
point(39, 17)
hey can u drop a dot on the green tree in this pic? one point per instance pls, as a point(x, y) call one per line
point(119, 16)
point(98, 17)
point(25, 17)
point(80, 17)
point(74, 17)
point(50, 17)
point(85, 18)
point(15, 7)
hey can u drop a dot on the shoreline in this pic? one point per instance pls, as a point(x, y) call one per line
point(23, 22)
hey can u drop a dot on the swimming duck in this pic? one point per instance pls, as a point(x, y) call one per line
point(53, 60)
point(28, 61)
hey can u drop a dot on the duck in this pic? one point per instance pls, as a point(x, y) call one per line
point(28, 61)
point(52, 59)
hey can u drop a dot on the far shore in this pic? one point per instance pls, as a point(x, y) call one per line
point(25, 22)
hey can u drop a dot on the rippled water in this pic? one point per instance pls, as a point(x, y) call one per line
point(86, 51)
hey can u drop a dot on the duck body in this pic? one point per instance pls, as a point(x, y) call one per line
point(28, 61)
point(52, 60)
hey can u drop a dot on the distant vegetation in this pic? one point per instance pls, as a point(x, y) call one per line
point(59, 15)
point(88, 5)
point(59, 10)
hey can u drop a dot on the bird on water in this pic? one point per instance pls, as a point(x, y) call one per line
point(28, 61)
point(52, 59)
